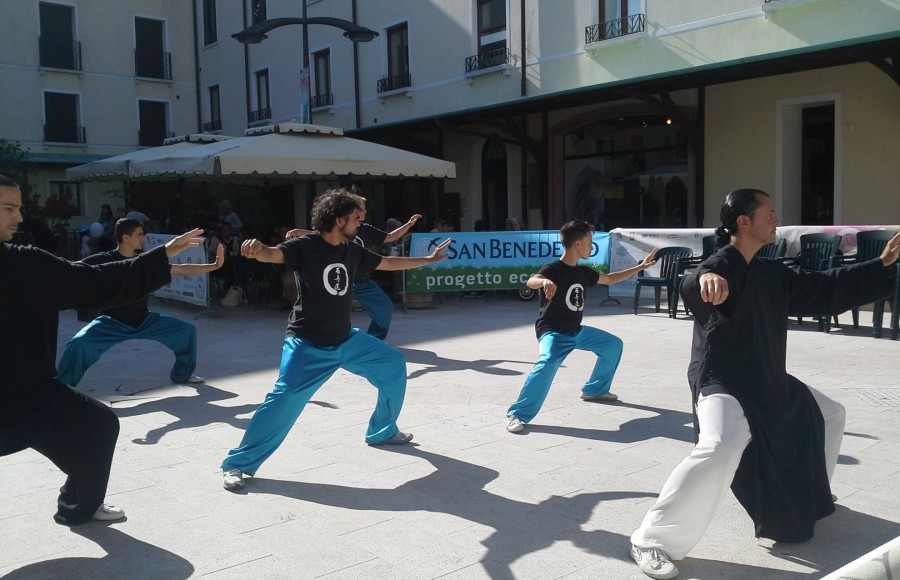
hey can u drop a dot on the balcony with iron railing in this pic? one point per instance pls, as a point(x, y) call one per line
point(153, 64)
point(254, 116)
point(619, 27)
point(487, 59)
point(64, 134)
point(394, 83)
point(322, 100)
point(63, 56)
point(214, 125)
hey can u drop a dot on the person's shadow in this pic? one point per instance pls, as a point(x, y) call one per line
point(665, 423)
point(458, 488)
point(191, 412)
point(126, 557)
point(434, 363)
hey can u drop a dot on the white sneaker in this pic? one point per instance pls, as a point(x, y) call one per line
point(399, 438)
point(603, 397)
point(108, 512)
point(654, 562)
point(232, 479)
point(515, 425)
point(192, 380)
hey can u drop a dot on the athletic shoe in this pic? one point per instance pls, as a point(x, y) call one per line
point(108, 512)
point(192, 380)
point(232, 479)
point(603, 397)
point(515, 425)
point(654, 562)
point(399, 438)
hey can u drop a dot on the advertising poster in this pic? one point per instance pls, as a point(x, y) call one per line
point(492, 260)
point(191, 289)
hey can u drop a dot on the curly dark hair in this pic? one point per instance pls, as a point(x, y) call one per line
point(333, 204)
point(573, 231)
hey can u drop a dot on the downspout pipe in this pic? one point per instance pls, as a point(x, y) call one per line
point(355, 70)
point(197, 69)
point(524, 57)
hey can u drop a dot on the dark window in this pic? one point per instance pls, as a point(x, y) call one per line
point(322, 66)
point(491, 25)
point(58, 46)
point(258, 10)
point(209, 22)
point(398, 51)
point(150, 58)
point(620, 17)
point(153, 123)
point(263, 104)
point(67, 193)
point(61, 115)
point(215, 111)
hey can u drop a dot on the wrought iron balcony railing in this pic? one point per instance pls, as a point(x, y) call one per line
point(488, 59)
point(614, 28)
point(152, 64)
point(60, 55)
point(323, 100)
point(257, 115)
point(214, 125)
point(395, 82)
point(60, 134)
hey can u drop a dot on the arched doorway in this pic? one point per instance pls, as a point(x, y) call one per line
point(494, 202)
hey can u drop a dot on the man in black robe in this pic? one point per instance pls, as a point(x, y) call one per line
point(772, 438)
point(74, 431)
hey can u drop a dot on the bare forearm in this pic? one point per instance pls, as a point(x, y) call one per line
point(616, 277)
point(395, 263)
point(269, 254)
point(193, 269)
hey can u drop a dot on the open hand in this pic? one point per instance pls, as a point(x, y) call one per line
point(186, 240)
point(438, 254)
point(891, 250)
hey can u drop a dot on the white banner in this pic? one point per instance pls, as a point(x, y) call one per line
point(192, 289)
point(629, 246)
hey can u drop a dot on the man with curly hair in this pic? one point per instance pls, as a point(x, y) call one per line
point(319, 338)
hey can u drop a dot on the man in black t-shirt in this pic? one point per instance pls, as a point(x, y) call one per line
point(559, 329)
point(319, 339)
point(134, 320)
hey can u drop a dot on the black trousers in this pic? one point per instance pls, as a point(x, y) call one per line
point(74, 431)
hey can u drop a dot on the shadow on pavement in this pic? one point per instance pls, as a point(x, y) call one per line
point(440, 364)
point(457, 488)
point(126, 557)
point(666, 423)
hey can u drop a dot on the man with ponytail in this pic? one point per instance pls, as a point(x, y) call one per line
point(773, 439)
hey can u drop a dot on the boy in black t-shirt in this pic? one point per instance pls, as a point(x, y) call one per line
point(319, 338)
point(558, 327)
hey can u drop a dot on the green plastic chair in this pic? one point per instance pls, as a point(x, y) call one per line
point(667, 260)
point(869, 245)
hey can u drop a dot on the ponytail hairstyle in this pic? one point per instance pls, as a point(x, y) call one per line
point(737, 203)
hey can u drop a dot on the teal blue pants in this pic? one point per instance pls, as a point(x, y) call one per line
point(305, 368)
point(554, 348)
point(377, 305)
point(104, 332)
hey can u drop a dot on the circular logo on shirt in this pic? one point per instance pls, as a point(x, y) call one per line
point(575, 298)
point(335, 279)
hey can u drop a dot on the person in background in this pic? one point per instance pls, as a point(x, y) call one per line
point(442, 226)
point(227, 215)
point(134, 320)
point(107, 239)
point(514, 225)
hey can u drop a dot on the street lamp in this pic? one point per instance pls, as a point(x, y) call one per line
point(257, 33)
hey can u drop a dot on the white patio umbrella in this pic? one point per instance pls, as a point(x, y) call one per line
point(291, 150)
point(119, 167)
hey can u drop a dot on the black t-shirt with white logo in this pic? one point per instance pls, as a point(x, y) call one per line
point(564, 312)
point(324, 274)
point(368, 236)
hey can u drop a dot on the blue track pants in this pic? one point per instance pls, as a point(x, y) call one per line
point(305, 368)
point(104, 332)
point(554, 348)
point(377, 305)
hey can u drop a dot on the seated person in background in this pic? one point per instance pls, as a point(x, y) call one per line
point(134, 319)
